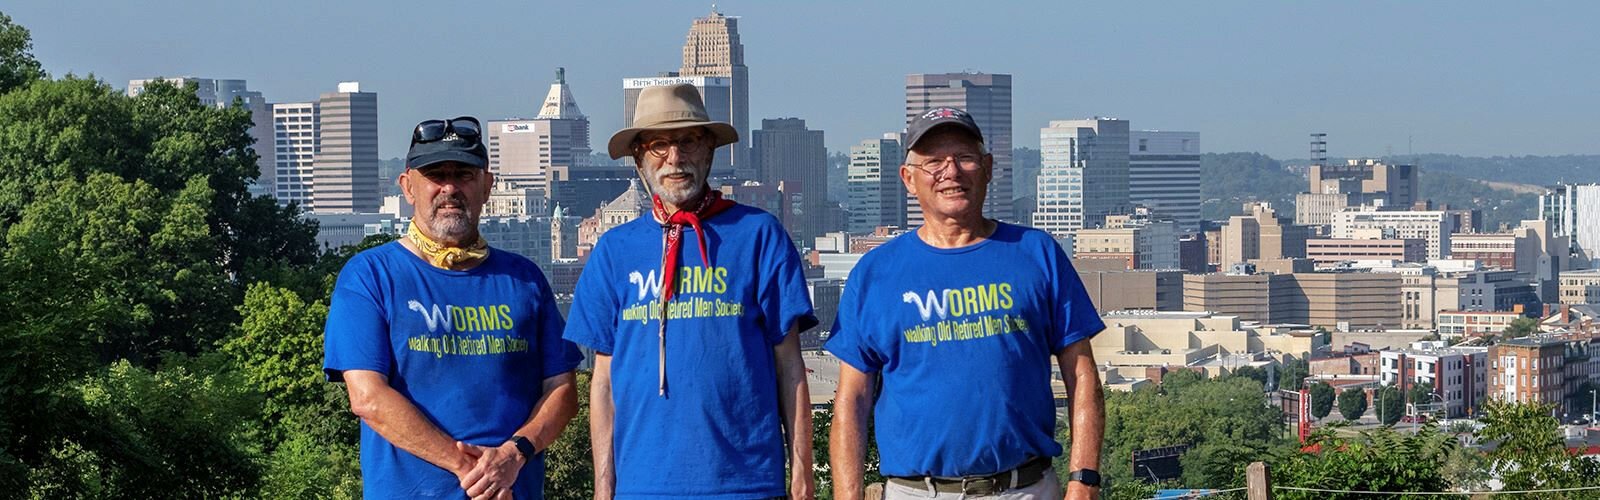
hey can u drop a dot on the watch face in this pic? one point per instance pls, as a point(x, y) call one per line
point(1088, 477)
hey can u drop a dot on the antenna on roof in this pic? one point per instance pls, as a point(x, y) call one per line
point(1319, 149)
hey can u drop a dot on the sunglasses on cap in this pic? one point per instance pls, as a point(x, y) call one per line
point(465, 127)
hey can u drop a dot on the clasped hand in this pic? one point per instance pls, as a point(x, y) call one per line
point(491, 471)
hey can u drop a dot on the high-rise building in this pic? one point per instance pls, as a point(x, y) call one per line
point(713, 49)
point(1164, 175)
point(1260, 234)
point(715, 91)
point(523, 152)
point(1573, 210)
point(987, 97)
point(1358, 182)
point(876, 194)
point(1083, 175)
point(1433, 226)
point(792, 156)
point(296, 128)
point(223, 93)
point(345, 172)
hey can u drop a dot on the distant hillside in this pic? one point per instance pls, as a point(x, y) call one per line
point(1228, 180)
point(1500, 207)
point(1536, 170)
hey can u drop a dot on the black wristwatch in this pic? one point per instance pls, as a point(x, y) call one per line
point(526, 448)
point(1089, 477)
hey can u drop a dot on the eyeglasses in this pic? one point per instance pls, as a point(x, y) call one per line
point(686, 146)
point(936, 166)
point(465, 127)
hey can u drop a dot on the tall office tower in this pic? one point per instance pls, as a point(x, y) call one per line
point(712, 48)
point(793, 157)
point(1164, 175)
point(1332, 188)
point(1573, 210)
point(1083, 176)
point(988, 98)
point(523, 152)
point(295, 128)
point(1259, 234)
point(224, 93)
point(876, 195)
point(345, 172)
point(718, 97)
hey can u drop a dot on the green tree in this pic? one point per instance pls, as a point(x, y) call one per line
point(129, 258)
point(1529, 451)
point(1420, 393)
point(1583, 398)
point(1376, 461)
point(1520, 327)
point(1352, 403)
point(171, 433)
point(278, 348)
point(1250, 372)
point(1292, 375)
point(17, 65)
point(1322, 396)
point(569, 466)
point(1390, 404)
point(1226, 422)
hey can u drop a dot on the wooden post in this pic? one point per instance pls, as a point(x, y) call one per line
point(1258, 482)
point(874, 492)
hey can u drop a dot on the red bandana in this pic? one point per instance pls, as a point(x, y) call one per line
point(672, 227)
point(711, 205)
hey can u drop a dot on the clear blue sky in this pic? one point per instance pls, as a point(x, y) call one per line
point(1474, 78)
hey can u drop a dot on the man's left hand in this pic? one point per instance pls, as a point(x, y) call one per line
point(495, 472)
point(1080, 491)
point(802, 486)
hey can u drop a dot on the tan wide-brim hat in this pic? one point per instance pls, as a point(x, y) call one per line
point(667, 108)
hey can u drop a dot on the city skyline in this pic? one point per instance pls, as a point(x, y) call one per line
point(1379, 78)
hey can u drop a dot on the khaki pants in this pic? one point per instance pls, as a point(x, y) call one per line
point(1047, 488)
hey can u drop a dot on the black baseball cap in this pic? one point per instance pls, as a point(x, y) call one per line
point(939, 117)
point(458, 145)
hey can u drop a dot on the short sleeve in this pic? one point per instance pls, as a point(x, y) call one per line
point(848, 340)
point(592, 321)
point(782, 296)
point(557, 355)
point(356, 335)
point(1074, 317)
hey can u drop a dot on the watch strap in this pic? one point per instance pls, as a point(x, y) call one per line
point(525, 447)
point(1089, 477)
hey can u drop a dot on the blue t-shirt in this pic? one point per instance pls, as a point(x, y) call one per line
point(717, 433)
point(469, 348)
point(963, 340)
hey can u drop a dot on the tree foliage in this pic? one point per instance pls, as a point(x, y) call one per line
point(1322, 396)
point(1352, 403)
point(1389, 404)
point(1520, 327)
point(1226, 422)
point(1529, 450)
point(1374, 461)
point(18, 68)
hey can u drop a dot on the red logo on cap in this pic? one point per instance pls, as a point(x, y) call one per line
point(941, 113)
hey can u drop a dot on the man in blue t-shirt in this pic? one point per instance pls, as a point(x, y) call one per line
point(451, 351)
point(953, 326)
point(694, 314)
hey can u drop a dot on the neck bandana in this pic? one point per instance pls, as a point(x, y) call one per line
point(672, 240)
point(443, 257)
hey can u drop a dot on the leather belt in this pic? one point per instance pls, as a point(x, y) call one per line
point(1024, 476)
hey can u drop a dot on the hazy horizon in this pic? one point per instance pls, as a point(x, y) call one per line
point(1474, 79)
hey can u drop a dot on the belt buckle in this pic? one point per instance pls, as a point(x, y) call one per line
point(986, 485)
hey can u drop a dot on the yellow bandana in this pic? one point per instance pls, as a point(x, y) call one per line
point(444, 257)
